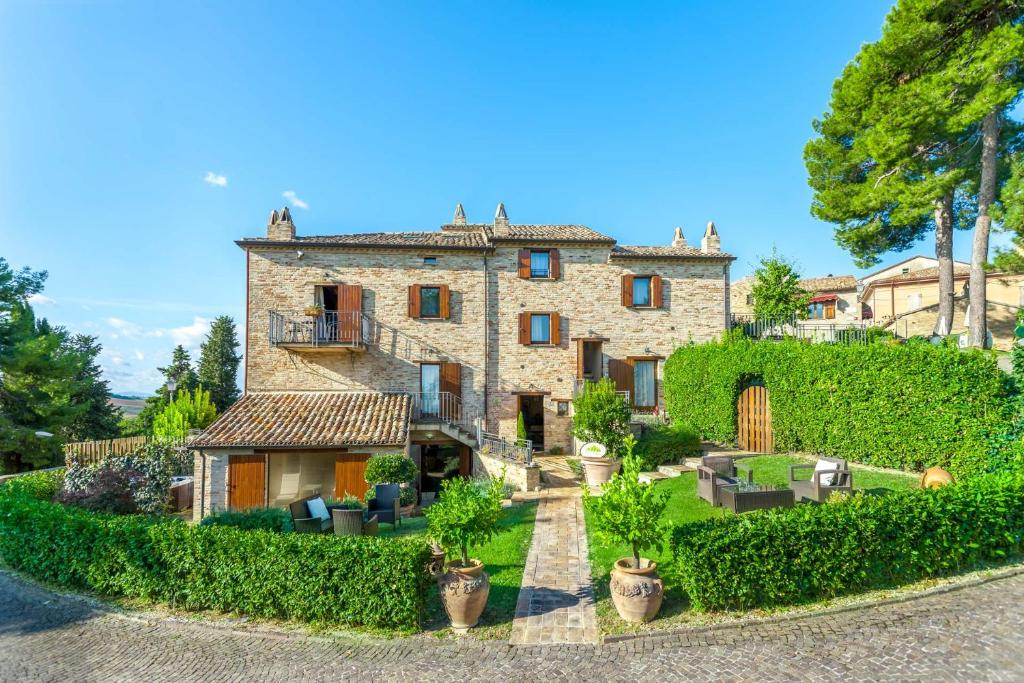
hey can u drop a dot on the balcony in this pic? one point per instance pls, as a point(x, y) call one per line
point(325, 332)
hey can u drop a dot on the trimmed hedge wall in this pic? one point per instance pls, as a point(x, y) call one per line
point(902, 406)
point(848, 545)
point(308, 577)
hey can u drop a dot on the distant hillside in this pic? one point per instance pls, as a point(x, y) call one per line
point(127, 397)
point(129, 406)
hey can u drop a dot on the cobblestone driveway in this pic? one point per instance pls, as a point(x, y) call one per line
point(974, 634)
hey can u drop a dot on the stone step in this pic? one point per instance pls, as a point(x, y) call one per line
point(651, 477)
point(674, 470)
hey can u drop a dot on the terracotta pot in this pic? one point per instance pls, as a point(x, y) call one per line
point(636, 593)
point(934, 477)
point(464, 592)
point(436, 565)
point(599, 470)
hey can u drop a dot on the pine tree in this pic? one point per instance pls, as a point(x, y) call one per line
point(777, 292)
point(99, 419)
point(180, 370)
point(218, 363)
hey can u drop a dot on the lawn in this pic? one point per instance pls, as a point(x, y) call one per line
point(504, 557)
point(684, 506)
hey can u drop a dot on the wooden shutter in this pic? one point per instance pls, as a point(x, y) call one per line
point(445, 295)
point(627, 291)
point(414, 301)
point(524, 328)
point(656, 300)
point(524, 264)
point(554, 265)
point(350, 475)
point(621, 372)
point(451, 379)
point(556, 329)
point(350, 308)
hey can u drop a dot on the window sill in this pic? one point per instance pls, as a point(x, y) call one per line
point(541, 345)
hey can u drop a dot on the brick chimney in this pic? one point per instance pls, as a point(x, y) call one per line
point(678, 240)
point(460, 215)
point(500, 220)
point(711, 243)
point(280, 226)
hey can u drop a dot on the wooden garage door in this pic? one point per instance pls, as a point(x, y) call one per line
point(247, 475)
point(349, 475)
point(754, 419)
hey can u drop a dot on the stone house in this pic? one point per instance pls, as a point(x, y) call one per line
point(433, 343)
point(834, 298)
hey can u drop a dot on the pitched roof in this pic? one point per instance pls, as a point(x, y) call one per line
point(831, 283)
point(295, 419)
point(447, 239)
point(959, 269)
point(625, 251)
point(549, 233)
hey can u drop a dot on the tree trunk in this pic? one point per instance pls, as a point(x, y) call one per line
point(944, 255)
point(979, 255)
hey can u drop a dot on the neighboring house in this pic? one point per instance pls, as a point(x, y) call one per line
point(433, 343)
point(895, 295)
point(908, 265)
point(834, 297)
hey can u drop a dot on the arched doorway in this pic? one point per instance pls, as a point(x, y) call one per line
point(754, 419)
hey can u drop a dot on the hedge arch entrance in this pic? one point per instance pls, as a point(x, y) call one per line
point(754, 418)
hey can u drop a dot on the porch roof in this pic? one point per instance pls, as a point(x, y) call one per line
point(303, 419)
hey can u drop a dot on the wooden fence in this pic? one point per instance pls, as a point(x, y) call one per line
point(91, 452)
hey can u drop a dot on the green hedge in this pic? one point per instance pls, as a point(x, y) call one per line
point(903, 406)
point(849, 545)
point(664, 444)
point(353, 580)
point(268, 519)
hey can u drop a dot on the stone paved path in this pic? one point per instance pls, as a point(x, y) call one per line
point(972, 634)
point(556, 601)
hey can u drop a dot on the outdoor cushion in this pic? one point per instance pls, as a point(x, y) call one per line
point(317, 508)
point(826, 479)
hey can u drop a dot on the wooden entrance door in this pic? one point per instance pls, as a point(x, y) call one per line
point(350, 309)
point(247, 476)
point(754, 419)
point(349, 475)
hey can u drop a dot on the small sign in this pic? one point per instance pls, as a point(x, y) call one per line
point(593, 450)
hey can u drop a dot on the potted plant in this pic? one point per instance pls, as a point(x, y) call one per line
point(629, 512)
point(465, 516)
point(393, 468)
point(314, 310)
point(601, 418)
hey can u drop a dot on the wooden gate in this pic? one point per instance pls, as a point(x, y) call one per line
point(246, 481)
point(754, 419)
point(349, 475)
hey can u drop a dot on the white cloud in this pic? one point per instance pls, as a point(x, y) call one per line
point(191, 336)
point(212, 178)
point(41, 300)
point(139, 355)
point(294, 200)
point(124, 328)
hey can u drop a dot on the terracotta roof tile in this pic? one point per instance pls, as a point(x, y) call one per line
point(831, 283)
point(309, 419)
point(550, 233)
point(461, 239)
point(624, 251)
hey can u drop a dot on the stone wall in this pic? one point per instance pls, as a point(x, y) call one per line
point(523, 477)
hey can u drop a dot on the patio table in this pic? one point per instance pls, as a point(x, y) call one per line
point(744, 497)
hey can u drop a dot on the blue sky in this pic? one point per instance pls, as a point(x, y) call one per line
point(138, 140)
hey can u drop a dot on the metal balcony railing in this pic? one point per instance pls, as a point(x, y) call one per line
point(443, 406)
point(328, 328)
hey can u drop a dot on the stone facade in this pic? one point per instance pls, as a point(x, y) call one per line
point(523, 477)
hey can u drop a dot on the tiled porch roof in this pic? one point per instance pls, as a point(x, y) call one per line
point(298, 419)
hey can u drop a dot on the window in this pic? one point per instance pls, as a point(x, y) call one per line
point(540, 328)
point(562, 408)
point(430, 260)
point(750, 299)
point(430, 388)
point(822, 310)
point(645, 383)
point(430, 302)
point(641, 291)
point(540, 264)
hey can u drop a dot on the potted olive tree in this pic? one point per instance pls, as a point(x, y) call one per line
point(393, 468)
point(466, 515)
point(600, 418)
point(629, 512)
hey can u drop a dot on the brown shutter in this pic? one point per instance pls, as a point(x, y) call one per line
point(524, 328)
point(350, 306)
point(656, 300)
point(451, 379)
point(524, 264)
point(556, 329)
point(445, 307)
point(627, 291)
point(621, 372)
point(414, 301)
point(554, 264)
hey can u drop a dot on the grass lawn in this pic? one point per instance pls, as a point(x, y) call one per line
point(504, 557)
point(684, 506)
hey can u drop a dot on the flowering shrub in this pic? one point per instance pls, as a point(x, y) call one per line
point(147, 483)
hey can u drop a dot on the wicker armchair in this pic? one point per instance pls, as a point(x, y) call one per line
point(813, 489)
point(303, 522)
point(385, 503)
point(716, 471)
point(353, 522)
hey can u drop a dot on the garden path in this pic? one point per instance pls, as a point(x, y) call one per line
point(556, 601)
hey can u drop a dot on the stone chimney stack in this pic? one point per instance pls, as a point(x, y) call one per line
point(677, 239)
point(711, 243)
point(280, 226)
point(460, 215)
point(500, 220)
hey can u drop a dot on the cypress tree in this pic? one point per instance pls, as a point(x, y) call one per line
point(218, 363)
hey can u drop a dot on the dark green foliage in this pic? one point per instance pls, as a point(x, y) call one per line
point(217, 369)
point(776, 291)
point(357, 580)
point(268, 519)
point(901, 406)
point(849, 545)
point(99, 419)
point(600, 414)
point(665, 444)
point(390, 468)
point(465, 516)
